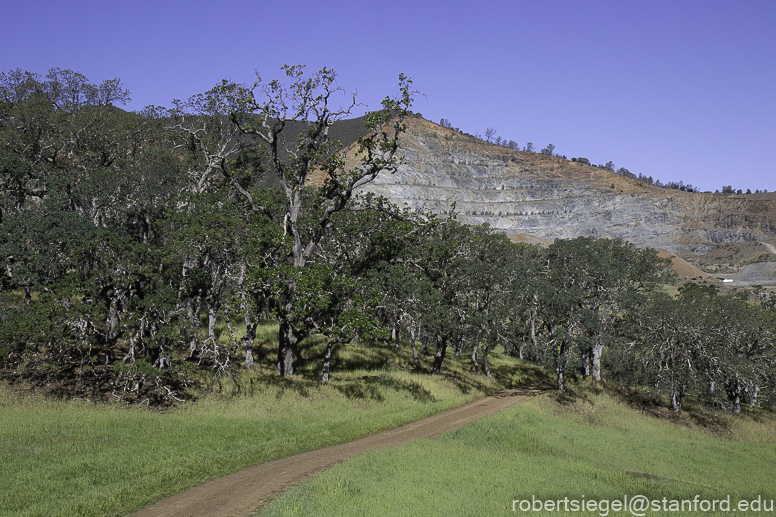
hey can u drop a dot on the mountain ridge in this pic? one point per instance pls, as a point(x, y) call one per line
point(549, 197)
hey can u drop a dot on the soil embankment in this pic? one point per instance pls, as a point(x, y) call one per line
point(683, 268)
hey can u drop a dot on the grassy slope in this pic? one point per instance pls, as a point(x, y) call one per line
point(595, 447)
point(77, 458)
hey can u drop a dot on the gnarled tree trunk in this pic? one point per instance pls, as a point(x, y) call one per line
point(289, 339)
point(441, 350)
point(678, 393)
point(415, 357)
point(249, 338)
point(327, 361)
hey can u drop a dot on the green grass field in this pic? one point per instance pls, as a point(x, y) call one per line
point(593, 448)
point(78, 458)
point(70, 458)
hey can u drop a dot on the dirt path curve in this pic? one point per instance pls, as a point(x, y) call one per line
point(239, 494)
point(770, 247)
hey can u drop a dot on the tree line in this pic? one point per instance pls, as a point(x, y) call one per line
point(139, 248)
point(491, 137)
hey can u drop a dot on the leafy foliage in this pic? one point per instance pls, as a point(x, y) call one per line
point(141, 249)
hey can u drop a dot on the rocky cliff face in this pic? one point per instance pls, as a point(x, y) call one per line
point(518, 192)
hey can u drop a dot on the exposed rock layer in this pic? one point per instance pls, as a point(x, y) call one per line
point(549, 197)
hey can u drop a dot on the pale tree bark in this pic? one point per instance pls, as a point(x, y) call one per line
point(584, 357)
point(734, 392)
point(678, 392)
point(249, 338)
point(193, 306)
point(327, 361)
point(251, 320)
point(561, 379)
point(474, 359)
point(415, 358)
point(485, 364)
point(561, 357)
point(212, 313)
point(753, 390)
point(459, 346)
point(598, 350)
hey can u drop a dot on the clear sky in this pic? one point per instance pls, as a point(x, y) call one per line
point(677, 90)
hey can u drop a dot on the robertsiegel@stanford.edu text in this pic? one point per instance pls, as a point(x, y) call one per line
point(640, 505)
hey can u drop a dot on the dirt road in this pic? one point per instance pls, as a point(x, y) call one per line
point(240, 493)
point(770, 247)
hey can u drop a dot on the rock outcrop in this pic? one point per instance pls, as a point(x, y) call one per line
point(526, 193)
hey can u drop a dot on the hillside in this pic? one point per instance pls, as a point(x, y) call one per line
point(548, 197)
point(594, 446)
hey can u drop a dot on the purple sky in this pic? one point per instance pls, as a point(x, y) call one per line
point(676, 90)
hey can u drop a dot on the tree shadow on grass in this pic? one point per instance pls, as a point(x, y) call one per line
point(648, 403)
point(308, 361)
point(373, 357)
point(466, 384)
point(634, 398)
point(262, 380)
point(369, 387)
point(576, 389)
point(692, 413)
point(522, 374)
point(374, 387)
